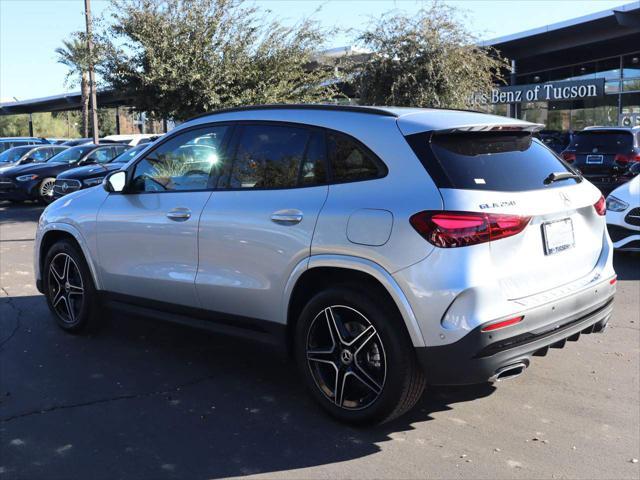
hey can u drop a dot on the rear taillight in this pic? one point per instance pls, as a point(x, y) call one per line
point(601, 206)
point(502, 324)
point(569, 157)
point(460, 229)
point(625, 159)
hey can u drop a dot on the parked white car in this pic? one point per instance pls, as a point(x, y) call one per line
point(133, 139)
point(623, 216)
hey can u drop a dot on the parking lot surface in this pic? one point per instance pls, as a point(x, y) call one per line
point(148, 400)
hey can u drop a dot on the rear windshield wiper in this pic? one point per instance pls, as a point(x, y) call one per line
point(557, 176)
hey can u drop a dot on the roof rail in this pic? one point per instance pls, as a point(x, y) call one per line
point(302, 106)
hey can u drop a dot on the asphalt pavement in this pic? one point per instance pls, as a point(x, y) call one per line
point(147, 400)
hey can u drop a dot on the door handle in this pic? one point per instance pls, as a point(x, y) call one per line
point(287, 217)
point(179, 214)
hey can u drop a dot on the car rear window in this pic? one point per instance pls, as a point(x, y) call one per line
point(498, 161)
point(603, 141)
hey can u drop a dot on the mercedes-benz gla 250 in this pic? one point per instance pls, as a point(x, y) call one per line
point(384, 249)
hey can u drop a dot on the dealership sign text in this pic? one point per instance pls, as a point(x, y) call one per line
point(543, 92)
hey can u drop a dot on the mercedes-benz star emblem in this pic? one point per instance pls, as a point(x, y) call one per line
point(346, 356)
point(65, 186)
point(565, 198)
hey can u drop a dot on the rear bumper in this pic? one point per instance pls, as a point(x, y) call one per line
point(478, 356)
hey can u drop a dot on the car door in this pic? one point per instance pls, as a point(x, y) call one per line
point(259, 222)
point(148, 236)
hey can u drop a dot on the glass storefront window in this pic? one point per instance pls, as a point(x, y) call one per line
point(631, 73)
point(622, 95)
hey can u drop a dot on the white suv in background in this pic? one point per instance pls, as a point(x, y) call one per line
point(385, 248)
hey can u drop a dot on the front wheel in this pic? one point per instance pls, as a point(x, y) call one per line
point(68, 286)
point(45, 190)
point(356, 357)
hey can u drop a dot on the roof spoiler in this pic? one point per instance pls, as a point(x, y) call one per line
point(493, 127)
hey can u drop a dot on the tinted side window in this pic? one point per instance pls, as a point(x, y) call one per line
point(349, 161)
point(185, 162)
point(269, 156)
point(314, 166)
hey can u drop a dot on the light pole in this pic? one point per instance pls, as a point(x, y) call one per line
point(92, 77)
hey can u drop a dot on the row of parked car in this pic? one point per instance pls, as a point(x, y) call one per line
point(46, 169)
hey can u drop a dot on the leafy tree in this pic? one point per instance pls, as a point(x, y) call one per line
point(75, 55)
point(14, 125)
point(428, 59)
point(45, 124)
point(183, 57)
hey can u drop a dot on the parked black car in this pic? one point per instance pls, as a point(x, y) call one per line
point(554, 139)
point(91, 175)
point(28, 154)
point(35, 181)
point(9, 142)
point(604, 155)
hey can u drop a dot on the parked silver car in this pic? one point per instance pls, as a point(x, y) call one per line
point(385, 248)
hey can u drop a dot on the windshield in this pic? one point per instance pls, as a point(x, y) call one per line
point(72, 154)
point(127, 155)
point(13, 154)
point(606, 141)
point(497, 161)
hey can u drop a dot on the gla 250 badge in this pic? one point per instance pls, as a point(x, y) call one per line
point(508, 203)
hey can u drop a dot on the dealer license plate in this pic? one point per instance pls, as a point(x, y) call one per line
point(558, 236)
point(594, 159)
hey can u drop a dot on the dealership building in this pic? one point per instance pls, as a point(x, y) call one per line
point(573, 74)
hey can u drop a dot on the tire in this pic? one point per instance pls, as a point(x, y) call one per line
point(45, 190)
point(380, 375)
point(69, 288)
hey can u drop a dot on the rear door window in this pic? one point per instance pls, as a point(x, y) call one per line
point(271, 156)
point(488, 161)
point(602, 141)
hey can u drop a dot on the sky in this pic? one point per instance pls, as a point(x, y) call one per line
point(30, 30)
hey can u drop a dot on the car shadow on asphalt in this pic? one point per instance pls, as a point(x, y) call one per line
point(168, 402)
point(20, 212)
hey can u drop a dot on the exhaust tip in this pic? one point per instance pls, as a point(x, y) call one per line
point(508, 372)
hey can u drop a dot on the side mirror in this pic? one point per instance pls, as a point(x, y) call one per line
point(115, 182)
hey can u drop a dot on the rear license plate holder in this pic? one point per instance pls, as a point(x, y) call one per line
point(558, 236)
point(595, 159)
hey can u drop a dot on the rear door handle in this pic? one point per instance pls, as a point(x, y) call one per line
point(179, 214)
point(287, 217)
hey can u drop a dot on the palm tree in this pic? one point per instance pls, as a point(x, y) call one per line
point(74, 54)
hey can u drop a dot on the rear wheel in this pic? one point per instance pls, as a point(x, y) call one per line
point(356, 357)
point(45, 190)
point(68, 286)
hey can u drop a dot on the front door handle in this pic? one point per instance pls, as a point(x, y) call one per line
point(179, 214)
point(287, 217)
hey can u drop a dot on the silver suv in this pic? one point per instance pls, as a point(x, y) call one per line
point(383, 248)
